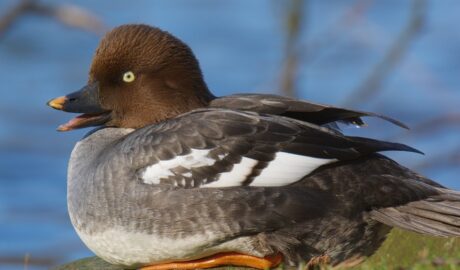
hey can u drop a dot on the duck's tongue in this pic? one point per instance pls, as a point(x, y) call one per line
point(85, 120)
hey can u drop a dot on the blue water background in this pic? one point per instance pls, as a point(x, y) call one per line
point(240, 47)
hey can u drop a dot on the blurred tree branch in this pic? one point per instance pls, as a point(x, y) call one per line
point(434, 124)
point(295, 53)
point(66, 14)
point(294, 22)
point(447, 157)
point(443, 159)
point(329, 37)
point(28, 261)
point(372, 85)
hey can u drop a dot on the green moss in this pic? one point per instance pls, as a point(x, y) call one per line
point(402, 250)
point(407, 250)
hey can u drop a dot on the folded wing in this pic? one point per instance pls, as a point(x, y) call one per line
point(222, 148)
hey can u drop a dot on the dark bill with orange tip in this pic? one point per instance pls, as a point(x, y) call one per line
point(85, 101)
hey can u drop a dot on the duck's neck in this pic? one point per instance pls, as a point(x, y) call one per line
point(166, 102)
point(90, 147)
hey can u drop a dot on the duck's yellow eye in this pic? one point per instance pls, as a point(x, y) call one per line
point(129, 77)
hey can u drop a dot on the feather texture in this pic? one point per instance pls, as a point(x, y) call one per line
point(221, 148)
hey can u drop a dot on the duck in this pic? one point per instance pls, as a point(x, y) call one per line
point(173, 177)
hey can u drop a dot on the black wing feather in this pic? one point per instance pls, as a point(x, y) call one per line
point(297, 109)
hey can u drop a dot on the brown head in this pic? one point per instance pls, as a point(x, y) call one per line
point(140, 75)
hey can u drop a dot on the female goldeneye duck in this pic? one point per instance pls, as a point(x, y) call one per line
point(179, 178)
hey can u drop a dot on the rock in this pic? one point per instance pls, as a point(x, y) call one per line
point(91, 263)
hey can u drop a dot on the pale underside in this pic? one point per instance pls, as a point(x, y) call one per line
point(135, 249)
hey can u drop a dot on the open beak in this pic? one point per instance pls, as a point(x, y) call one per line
point(85, 101)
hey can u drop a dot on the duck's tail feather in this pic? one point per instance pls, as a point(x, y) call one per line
point(438, 215)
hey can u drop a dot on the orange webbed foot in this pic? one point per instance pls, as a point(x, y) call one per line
point(222, 259)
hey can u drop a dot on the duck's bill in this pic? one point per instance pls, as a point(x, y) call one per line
point(84, 101)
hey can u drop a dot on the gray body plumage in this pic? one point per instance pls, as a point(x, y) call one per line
point(341, 209)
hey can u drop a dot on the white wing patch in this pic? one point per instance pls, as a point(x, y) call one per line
point(288, 168)
point(162, 170)
point(283, 170)
point(187, 174)
point(236, 176)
